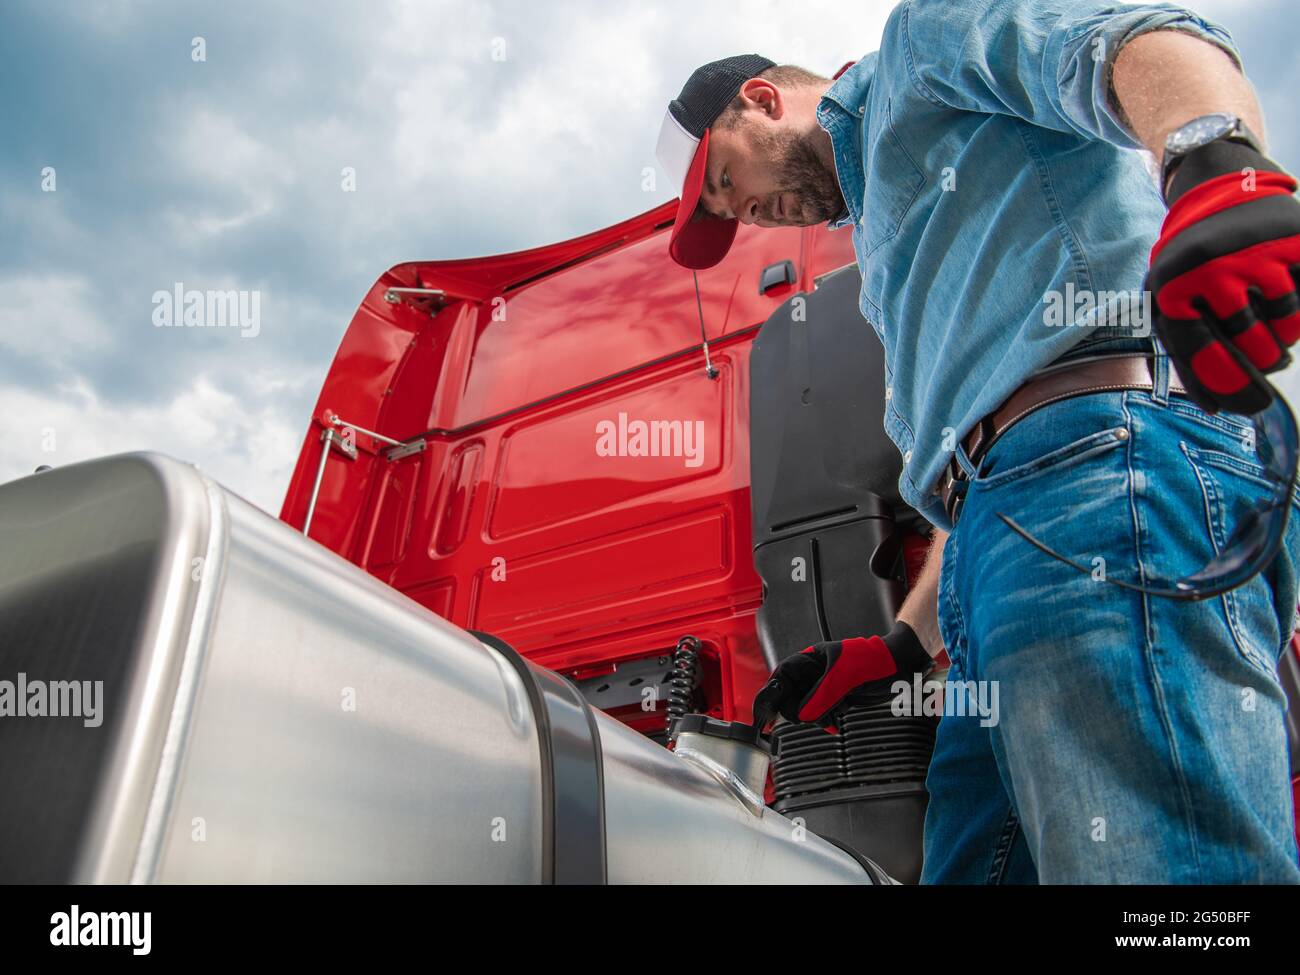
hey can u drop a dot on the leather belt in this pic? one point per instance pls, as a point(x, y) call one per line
point(1115, 372)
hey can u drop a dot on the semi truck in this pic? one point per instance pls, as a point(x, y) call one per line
point(555, 516)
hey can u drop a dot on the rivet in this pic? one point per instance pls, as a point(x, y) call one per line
point(1121, 433)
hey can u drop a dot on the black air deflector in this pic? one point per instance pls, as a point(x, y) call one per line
point(824, 474)
point(828, 524)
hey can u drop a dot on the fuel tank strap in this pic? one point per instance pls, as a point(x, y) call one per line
point(573, 799)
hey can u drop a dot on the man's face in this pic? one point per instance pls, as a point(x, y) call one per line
point(766, 169)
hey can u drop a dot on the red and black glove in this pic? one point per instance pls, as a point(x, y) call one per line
point(807, 686)
point(1224, 275)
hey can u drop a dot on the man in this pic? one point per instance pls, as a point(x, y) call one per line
point(985, 158)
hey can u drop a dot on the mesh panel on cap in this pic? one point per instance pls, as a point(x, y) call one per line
point(711, 87)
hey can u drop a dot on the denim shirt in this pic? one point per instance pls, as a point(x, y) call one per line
point(1000, 212)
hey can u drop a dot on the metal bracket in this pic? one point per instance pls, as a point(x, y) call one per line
point(338, 421)
point(573, 777)
point(430, 299)
point(405, 450)
point(394, 295)
point(347, 447)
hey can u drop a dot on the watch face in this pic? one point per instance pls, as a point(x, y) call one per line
point(1199, 132)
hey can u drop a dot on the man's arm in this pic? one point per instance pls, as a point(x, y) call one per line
point(1165, 78)
point(1225, 269)
point(920, 610)
point(1049, 62)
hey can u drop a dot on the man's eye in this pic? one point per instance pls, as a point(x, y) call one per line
point(726, 180)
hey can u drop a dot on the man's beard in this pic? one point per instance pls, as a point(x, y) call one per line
point(800, 174)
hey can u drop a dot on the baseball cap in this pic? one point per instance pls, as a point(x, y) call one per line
point(700, 241)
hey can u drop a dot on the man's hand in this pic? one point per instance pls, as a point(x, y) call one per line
point(1224, 275)
point(807, 686)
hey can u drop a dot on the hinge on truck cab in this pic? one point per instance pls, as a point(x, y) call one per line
point(426, 299)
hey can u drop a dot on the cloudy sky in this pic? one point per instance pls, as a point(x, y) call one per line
point(472, 128)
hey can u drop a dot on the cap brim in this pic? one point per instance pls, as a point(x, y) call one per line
point(699, 242)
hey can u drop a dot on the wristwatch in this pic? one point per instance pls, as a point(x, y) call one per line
point(1201, 132)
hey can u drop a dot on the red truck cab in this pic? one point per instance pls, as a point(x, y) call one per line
point(503, 509)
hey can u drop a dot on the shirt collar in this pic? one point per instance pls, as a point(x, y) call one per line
point(840, 111)
point(849, 90)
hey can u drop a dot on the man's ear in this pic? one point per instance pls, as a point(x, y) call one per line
point(765, 96)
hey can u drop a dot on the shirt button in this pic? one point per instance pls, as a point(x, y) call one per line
point(889, 392)
point(907, 457)
point(861, 110)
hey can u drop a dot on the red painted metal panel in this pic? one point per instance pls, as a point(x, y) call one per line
point(558, 466)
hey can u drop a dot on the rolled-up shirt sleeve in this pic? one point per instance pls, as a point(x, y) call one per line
point(1046, 61)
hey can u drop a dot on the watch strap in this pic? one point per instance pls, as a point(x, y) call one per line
point(1226, 155)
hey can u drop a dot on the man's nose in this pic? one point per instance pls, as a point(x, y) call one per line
point(748, 212)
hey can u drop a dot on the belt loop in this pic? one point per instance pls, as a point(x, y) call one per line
point(963, 460)
point(1160, 377)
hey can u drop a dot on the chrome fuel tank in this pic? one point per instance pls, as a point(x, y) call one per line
point(269, 712)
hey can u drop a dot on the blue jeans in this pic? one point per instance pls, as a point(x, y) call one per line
point(1139, 739)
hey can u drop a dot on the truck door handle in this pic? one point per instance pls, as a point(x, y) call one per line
point(776, 275)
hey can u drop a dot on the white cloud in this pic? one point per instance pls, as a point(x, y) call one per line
point(216, 152)
point(246, 446)
point(228, 176)
point(49, 317)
